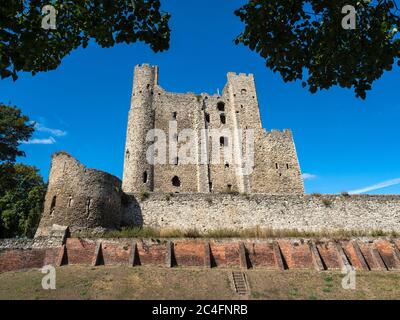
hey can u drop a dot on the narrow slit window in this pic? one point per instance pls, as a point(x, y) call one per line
point(287, 166)
point(223, 118)
point(276, 166)
point(207, 118)
point(145, 177)
point(53, 205)
point(174, 115)
point(88, 205)
point(70, 202)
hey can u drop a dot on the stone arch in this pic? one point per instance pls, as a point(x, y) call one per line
point(176, 182)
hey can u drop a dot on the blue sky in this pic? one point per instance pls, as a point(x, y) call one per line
point(343, 143)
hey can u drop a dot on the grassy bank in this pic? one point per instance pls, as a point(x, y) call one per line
point(121, 282)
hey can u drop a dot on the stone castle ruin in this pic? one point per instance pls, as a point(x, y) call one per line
point(222, 184)
point(160, 188)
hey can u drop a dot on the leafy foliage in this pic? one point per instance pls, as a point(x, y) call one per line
point(26, 46)
point(304, 40)
point(14, 127)
point(21, 200)
point(21, 187)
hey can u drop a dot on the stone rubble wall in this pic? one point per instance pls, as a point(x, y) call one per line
point(242, 211)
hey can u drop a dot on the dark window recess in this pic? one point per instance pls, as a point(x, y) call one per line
point(176, 161)
point(53, 205)
point(227, 165)
point(145, 177)
point(243, 91)
point(127, 154)
point(276, 165)
point(88, 203)
point(210, 186)
point(207, 116)
point(223, 141)
point(221, 106)
point(70, 202)
point(176, 182)
point(174, 114)
point(223, 118)
point(148, 86)
point(229, 187)
point(287, 166)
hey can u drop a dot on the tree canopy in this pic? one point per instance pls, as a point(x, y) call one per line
point(304, 40)
point(26, 46)
point(14, 128)
point(21, 200)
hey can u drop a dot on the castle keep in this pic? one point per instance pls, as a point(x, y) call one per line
point(220, 123)
point(264, 190)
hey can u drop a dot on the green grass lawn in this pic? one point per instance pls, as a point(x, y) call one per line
point(122, 282)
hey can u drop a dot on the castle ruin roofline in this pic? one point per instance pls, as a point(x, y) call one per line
point(59, 156)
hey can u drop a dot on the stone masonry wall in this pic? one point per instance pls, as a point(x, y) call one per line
point(80, 197)
point(237, 211)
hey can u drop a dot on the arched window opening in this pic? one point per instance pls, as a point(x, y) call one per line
point(243, 91)
point(223, 118)
point(70, 202)
point(229, 186)
point(145, 177)
point(176, 182)
point(221, 106)
point(53, 205)
point(223, 141)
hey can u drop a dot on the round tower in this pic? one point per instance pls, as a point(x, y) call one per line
point(138, 173)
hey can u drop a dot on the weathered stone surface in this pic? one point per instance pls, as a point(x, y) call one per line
point(307, 212)
point(275, 168)
point(79, 197)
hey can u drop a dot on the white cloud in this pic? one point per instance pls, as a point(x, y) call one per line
point(49, 140)
point(55, 132)
point(377, 186)
point(308, 176)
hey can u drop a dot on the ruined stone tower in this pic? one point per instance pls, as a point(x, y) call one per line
point(222, 125)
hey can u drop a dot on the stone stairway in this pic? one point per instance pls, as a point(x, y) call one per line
point(240, 283)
